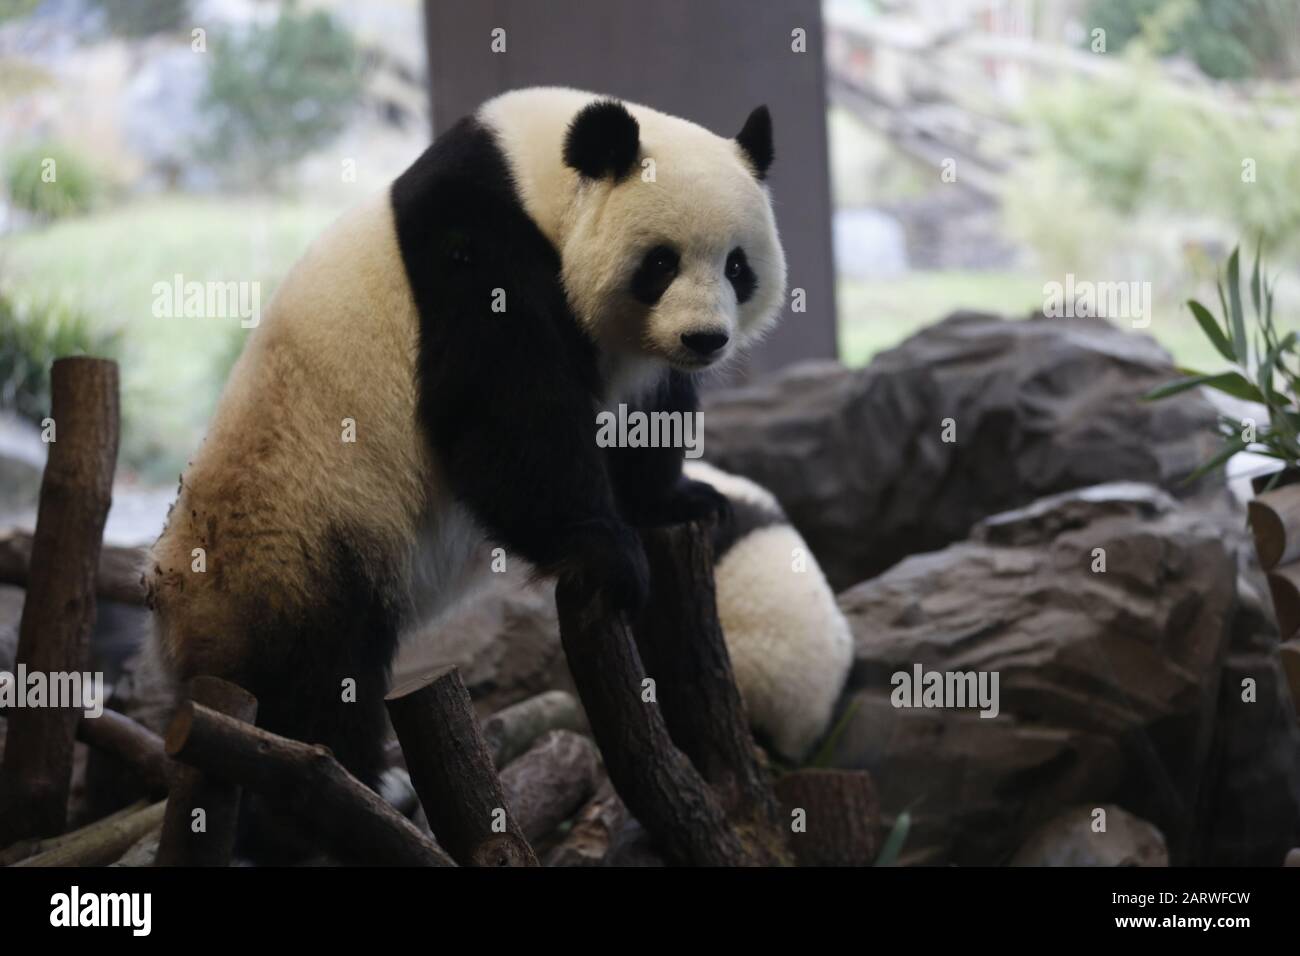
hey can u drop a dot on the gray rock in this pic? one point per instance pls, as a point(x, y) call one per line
point(1071, 840)
point(1040, 406)
point(1107, 681)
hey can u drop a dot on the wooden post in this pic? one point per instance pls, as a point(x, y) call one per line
point(654, 778)
point(452, 771)
point(59, 610)
point(192, 790)
point(682, 645)
point(303, 778)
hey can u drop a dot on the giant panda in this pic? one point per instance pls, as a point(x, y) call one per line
point(423, 390)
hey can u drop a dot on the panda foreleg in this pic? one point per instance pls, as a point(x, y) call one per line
point(648, 482)
point(515, 442)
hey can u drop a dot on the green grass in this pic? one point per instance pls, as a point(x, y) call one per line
point(106, 265)
point(877, 315)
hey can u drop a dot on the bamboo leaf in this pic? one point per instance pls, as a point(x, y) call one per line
point(1230, 383)
point(1240, 345)
point(894, 842)
point(1211, 329)
point(1254, 279)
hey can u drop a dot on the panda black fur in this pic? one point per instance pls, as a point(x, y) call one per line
point(474, 428)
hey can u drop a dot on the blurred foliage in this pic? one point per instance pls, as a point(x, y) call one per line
point(73, 188)
point(106, 265)
point(33, 333)
point(141, 18)
point(278, 92)
point(1264, 368)
point(1226, 39)
point(1131, 153)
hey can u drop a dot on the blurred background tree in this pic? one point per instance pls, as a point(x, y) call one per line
point(278, 92)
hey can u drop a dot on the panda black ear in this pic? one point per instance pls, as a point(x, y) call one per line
point(755, 138)
point(602, 140)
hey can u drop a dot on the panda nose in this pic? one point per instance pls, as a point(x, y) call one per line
point(704, 344)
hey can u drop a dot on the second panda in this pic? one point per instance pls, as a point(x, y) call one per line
point(424, 385)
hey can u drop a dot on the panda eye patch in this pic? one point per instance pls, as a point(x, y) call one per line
point(740, 275)
point(656, 272)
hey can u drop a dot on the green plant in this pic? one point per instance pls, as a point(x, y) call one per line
point(1262, 371)
point(33, 333)
point(278, 92)
point(1227, 39)
point(50, 181)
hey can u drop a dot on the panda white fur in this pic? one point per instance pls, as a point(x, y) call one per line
point(789, 644)
point(463, 329)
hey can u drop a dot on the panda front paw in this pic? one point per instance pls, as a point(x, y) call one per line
point(688, 501)
point(606, 558)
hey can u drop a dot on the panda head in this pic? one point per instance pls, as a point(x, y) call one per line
point(670, 251)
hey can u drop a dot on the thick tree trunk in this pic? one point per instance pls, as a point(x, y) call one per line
point(193, 791)
point(452, 771)
point(306, 780)
point(683, 648)
point(839, 816)
point(653, 777)
point(59, 610)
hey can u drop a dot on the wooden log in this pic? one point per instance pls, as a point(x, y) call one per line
point(30, 847)
point(117, 578)
point(1284, 585)
point(512, 730)
point(453, 772)
point(305, 779)
point(840, 818)
point(653, 777)
point(1275, 523)
point(104, 841)
point(193, 791)
point(550, 783)
point(683, 648)
point(1289, 653)
point(589, 841)
point(59, 609)
point(133, 743)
